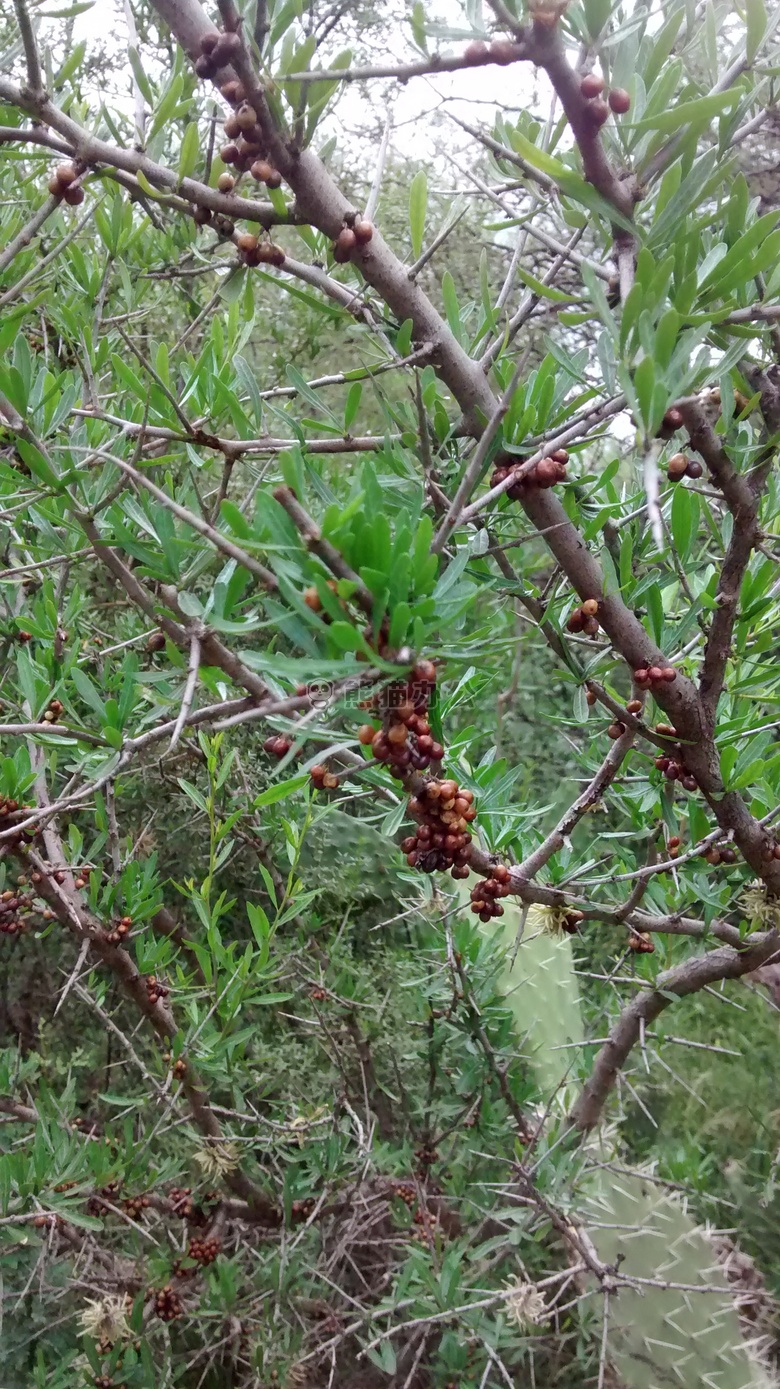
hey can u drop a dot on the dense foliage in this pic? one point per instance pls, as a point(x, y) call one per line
point(389, 786)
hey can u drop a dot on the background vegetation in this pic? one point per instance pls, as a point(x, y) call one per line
point(276, 1107)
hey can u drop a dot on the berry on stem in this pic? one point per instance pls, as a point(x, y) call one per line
point(620, 101)
point(591, 86)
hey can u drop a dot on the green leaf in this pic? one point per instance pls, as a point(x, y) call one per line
point(190, 149)
point(352, 405)
point(702, 110)
point(418, 204)
point(279, 791)
point(140, 75)
point(756, 16)
point(682, 520)
point(597, 13)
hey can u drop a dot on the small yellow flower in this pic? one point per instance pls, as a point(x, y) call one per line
point(218, 1159)
point(525, 1303)
point(105, 1319)
point(761, 910)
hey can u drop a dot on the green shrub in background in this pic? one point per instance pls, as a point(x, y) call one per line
point(388, 765)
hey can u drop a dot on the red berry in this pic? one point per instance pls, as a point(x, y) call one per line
point(476, 52)
point(363, 229)
point(503, 51)
point(344, 245)
point(592, 86)
point(619, 101)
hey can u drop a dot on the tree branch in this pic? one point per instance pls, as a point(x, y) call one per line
point(687, 978)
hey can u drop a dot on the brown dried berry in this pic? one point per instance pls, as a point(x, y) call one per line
point(616, 730)
point(677, 467)
point(592, 86)
point(363, 229)
point(546, 473)
point(619, 101)
point(503, 51)
point(73, 194)
point(66, 174)
point(476, 52)
point(599, 112)
point(226, 183)
point(590, 607)
point(245, 117)
point(261, 170)
point(694, 468)
point(634, 706)
point(344, 245)
point(227, 48)
point(246, 242)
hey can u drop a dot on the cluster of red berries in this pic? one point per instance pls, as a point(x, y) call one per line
point(301, 1209)
point(167, 1303)
point(356, 232)
point(181, 1202)
point(318, 994)
point(54, 711)
point(119, 930)
point(406, 1193)
point(24, 637)
point(484, 894)
point(545, 473)
point(405, 742)
point(618, 100)
point(427, 1155)
point(322, 779)
point(205, 1251)
point(680, 465)
point(502, 51)
point(15, 907)
point(673, 764)
point(105, 1381)
point(645, 676)
point(255, 252)
point(135, 1206)
point(277, 746)
point(673, 846)
point(443, 837)
point(217, 50)
point(109, 1192)
point(155, 989)
point(427, 1227)
point(64, 184)
point(724, 854)
point(640, 943)
point(9, 811)
point(584, 619)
